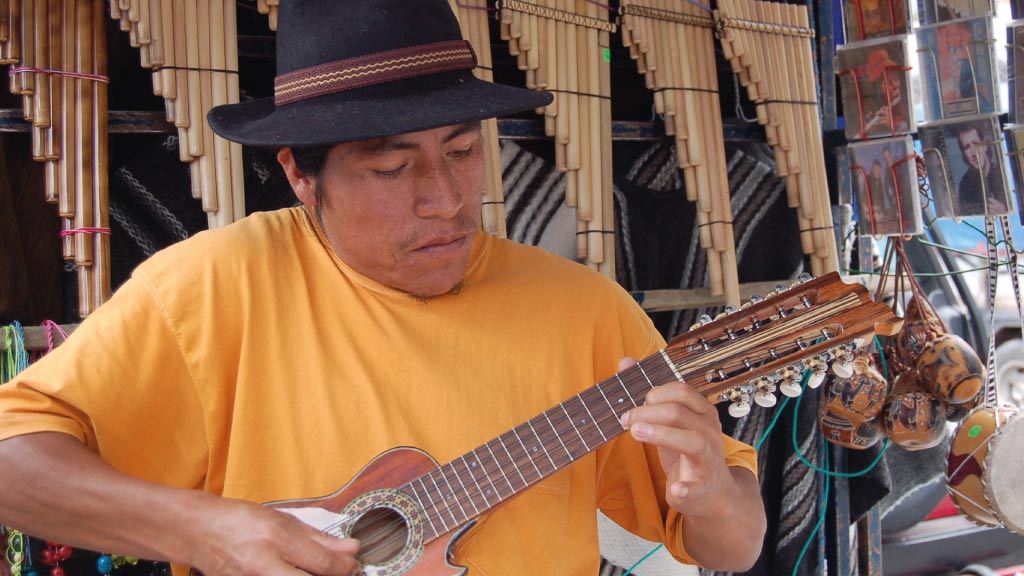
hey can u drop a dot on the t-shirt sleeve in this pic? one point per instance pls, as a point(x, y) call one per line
point(119, 385)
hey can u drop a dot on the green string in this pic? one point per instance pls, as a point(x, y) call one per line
point(642, 559)
point(15, 356)
point(821, 518)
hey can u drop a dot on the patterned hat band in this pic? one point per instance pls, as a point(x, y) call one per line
point(399, 64)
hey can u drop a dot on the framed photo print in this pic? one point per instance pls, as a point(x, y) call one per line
point(935, 11)
point(957, 64)
point(966, 173)
point(1015, 69)
point(874, 78)
point(884, 177)
point(866, 19)
point(1015, 150)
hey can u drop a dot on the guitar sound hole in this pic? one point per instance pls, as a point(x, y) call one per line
point(382, 533)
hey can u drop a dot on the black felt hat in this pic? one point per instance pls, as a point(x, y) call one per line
point(359, 69)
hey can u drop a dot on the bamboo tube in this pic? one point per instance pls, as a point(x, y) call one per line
point(237, 171)
point(219, 93)
point(14, 36)
point(182, 109)
point(607, 177)
point(55, 133)
point(166, 81)
point(84, 206)
point(68, 162)
point(207, 162)
point(101, 259)
point(582, 129)
point(41, 100)
point(591, 49)
point(572, 151)
point(25, 81)
point(196, 140)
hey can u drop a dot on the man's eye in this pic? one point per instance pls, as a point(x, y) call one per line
point(389, 173)
point(460, 154)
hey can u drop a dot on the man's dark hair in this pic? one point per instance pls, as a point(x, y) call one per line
point(311, 159)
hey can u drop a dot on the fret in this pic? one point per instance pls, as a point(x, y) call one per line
point(593, 420)
point(640, 366)
point(500, 469)
point(512, 459)
point(558, 437)
point(465, 489)
point(573, 424)
point(428, 509)
point(441, 510)
point(607, 401)
point(626, 390)
point(526, 451)
point(477, 465)
point(543, 447)
point(671, 365)
point(454, 496)
point(593, 400)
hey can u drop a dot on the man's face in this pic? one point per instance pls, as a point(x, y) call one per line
point(973, 149)
point(892, 85)
point(403, 210)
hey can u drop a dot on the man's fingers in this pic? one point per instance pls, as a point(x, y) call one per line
point(324, 555)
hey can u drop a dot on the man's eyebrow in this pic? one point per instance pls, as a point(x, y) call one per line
point(397, 143)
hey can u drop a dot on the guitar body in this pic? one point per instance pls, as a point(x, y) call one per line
point(389, 524)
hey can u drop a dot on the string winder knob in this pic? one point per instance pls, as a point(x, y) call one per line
point(764, 392)
point(790, 382)
point(818, 368)
point(740, 406)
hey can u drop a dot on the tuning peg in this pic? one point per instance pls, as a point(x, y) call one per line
point(804, 277)
point(739, 409)
point(780, 287)
point(818, 368)
point(843, 364)
point(729, 309)
point(740, 401)
point(790, 388)
point(764, 392)
point(704, 319)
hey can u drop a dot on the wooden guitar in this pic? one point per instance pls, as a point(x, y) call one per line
point(408, 511)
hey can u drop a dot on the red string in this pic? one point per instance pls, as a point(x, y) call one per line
point(867, 194)
point(860, 101)
point(48, 72)
point(85, 230)
point(896, 187)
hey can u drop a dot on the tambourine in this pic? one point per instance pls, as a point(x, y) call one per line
point(985, 466)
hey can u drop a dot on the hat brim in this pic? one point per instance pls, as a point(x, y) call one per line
point(373, 112)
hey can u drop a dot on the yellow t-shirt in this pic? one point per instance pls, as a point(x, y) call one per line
point(251, 362)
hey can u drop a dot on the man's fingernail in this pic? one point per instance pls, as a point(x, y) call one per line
point(641, 430)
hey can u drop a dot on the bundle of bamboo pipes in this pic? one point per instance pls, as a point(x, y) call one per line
point(57, 50)
point(192, 48)
point(673, 46)
point(768, 45)
point(563, 46)
point(269, 7)
point(472, 15)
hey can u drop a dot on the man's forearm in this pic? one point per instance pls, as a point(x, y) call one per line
point(732, 541)
point(55, 488)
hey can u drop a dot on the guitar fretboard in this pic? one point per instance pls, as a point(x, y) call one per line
point(502, 468)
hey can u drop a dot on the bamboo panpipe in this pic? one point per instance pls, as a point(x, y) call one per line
point(769, 46)
point(562, 46)
point(674, 51)
point(472, 16)
point(61, 49)
point(192, 48)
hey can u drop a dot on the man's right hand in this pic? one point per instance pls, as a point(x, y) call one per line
point(55, 488)
point(242, 538)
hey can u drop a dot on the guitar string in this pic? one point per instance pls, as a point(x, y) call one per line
point(436, 508)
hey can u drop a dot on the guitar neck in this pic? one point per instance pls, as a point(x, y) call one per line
point(747, 353)
point(505, 466)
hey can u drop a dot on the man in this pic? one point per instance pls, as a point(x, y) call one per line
point(271, 360)
point(892, 115)
point(981, 189)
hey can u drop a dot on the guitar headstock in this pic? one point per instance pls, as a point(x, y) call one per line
point(768, 343)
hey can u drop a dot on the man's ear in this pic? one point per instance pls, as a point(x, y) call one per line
point(302, 184)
